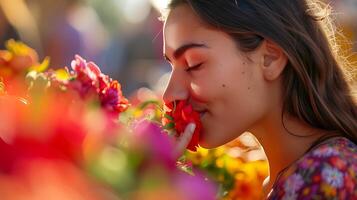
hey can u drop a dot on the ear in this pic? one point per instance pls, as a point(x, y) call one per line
point(274, 60)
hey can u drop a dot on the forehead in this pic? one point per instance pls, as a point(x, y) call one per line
point(182, 14)
point(182, 25)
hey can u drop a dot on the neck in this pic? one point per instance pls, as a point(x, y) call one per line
point(280, 143)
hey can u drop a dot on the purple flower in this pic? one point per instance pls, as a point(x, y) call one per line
point(293, 183)
point(333, 177)
point(325, 151)
point(195, 187)
point(149, 137)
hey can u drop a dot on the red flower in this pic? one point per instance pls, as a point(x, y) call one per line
point(339, 163)
point(178, 117)
point(316, 178)
point(112, 98)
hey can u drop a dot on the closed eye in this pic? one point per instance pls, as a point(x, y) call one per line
point(194, 68)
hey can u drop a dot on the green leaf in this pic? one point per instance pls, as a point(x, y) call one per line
point(168, 117)
point(147, 103)
point(169, 126)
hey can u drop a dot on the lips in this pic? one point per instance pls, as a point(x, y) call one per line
point(202, 113)
point(199, 108)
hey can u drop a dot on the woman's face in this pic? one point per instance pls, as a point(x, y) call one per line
point(222, 83)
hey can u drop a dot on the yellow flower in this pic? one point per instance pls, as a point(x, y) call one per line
point(62, 74)
point(306, 191)
point(197, 157)
point(328, 190)
point(17, 48)
point(5, 55)
point(220, 151)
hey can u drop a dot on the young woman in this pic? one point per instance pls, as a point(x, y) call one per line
point(270, 68)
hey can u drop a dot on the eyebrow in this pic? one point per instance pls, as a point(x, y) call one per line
point(182, 49)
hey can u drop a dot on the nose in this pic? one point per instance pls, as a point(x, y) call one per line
point(176, 88)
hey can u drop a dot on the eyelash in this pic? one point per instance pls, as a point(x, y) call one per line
point(193, 68)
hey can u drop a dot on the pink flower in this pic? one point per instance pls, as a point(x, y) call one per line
point(85, 77)
point(89, 82)
point(82, 68)
point(293, 183)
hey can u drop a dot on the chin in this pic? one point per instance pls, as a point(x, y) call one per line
point(214, 141)
point(210, 144)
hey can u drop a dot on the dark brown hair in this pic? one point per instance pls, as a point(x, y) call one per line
point(315, 88)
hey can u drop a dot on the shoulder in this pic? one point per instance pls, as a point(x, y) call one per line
point(326, 172)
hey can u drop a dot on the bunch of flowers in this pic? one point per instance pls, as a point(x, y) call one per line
point(55, 116)
point(63, 138)
point(86, 82)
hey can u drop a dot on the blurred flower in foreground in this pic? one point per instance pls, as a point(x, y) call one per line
point(149, 168)
point(51, 179)
point(62, 140)
point(48, 128)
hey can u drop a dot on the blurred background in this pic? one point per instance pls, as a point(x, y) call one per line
point(124, 37)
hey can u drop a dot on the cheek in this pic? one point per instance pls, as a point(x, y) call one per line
point(242, 104)
point(237, 93)
point(201, 90)
point(207, 88)
point(216, 84)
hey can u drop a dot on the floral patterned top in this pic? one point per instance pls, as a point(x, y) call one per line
point(329, 171)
